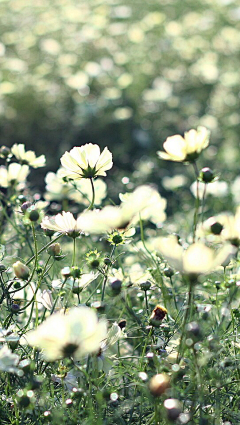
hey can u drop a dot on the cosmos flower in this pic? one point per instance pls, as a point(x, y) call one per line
point(197, 259)
point(86, 162)
point(14, 174)
point(74, 334)
point(28, 157)
point(222, 227)
point(63, 223)
point(185, 148)
point(144, 202)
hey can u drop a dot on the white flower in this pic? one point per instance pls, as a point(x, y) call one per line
point(185, 148)
point(224, 227)
point(8, 360)
point(144, 202)
point(14, 174)
point(197, 259)
point(63, 223)
point(109, 348)
point(86, 162)
point(28, 157)
point(58, 190)
point(74, 334)
point(217, 188)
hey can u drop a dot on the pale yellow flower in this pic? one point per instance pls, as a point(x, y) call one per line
point(185, 148)
point(28, 157)
point(75, 334)
point(145, 203)
point(63, 223)
point(86, 162)
point(197, 259)
point(15, 174)
point(224, 227)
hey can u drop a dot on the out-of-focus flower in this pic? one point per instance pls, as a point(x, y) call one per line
point(28, 157)
point(15, 174)
point(81, 192)
point(21, 270)
point(185, 148)
point(224, 227)
point(217, 188)
point(8, 360)
point(76, 284)
point(173, 183)
point(145, 203)
point(197, 259)
point(74, 334)
point(63, 223)
point(86, 162)
point(109, 349)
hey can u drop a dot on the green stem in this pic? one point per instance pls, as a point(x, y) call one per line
point(93, 196)
point(74, 252)
point(187, 315)
point(195, 220)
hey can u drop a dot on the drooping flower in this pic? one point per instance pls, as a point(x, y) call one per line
point(185, 148)
point(63, 223)
point(74, 334)
point(27, 157)
point(197, 259)
point(14, 174)
point(86, 162)
point(145, 203)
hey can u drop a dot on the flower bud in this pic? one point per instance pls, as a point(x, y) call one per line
point(21, 271)
point(33, 214)
point(75, 272)
point(159, 384)
point(206, 175)
point(158, 315)
point(122, 324)
point(116, 286)
point(49, 232)
point(2, 268)
point(168, 272)
point(54, 249)
point(15, 308)
point(145, 286)
point(25, 206)
point(4, 151)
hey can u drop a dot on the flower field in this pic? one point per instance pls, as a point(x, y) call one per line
point(119, 212)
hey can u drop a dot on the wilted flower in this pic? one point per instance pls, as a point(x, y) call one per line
point(185, 148)
point(8, 360)
point(158, 315)
point(14, 174)
point(63, 223)
point(28, 157)
point(86, 162)
point(21, 270)
point(197, 259)
point(74, 334)
point(144, 202)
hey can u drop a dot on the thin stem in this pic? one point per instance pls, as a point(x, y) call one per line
point(195, 220)
point(203, 199)
point(187, 315)
point(93, 196)
point(74, 252)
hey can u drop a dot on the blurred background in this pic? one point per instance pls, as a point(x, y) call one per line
point(122, 74)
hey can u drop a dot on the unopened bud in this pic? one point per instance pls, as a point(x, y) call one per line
point(4, 151)
point(159, 384)
point(33, 214)
point(21, 271)
point(206, 175)
point(25, 206)
point(145, 286)
point(168, 271)
point(75, 272)
point(54, 249)
point(116, 286)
